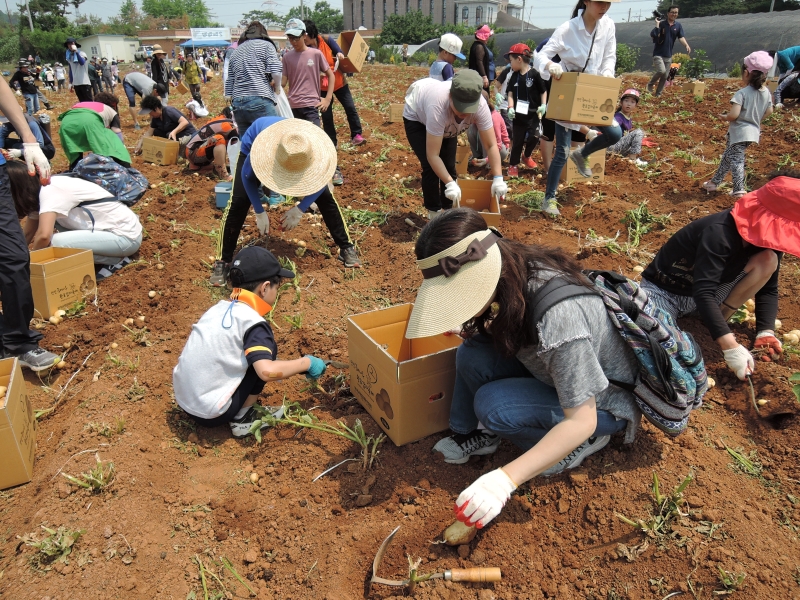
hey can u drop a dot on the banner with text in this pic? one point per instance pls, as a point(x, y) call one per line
point(211, 34)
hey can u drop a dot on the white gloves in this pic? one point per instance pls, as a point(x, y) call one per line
point(291, 219)
point(778, 106)
point(555, 69)
point(36, 161)
point(18, 93)
point(453, 192)
point(262, 222)
point(15, 152)
point(607, 73)
point(591, 134)
point(740, 361)
point(499, 187)
point(484, 499)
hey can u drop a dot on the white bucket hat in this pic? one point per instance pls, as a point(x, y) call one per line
point(458, 282)
point(451, 43)
point(293, 157)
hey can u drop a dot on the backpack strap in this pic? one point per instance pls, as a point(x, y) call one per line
point(551, 293)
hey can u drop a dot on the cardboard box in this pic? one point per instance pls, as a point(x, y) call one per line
point(396, 113)
point(17, 427)
point(160, 151)
point(477, 194)
point(772, 85)
point(60, 277)
point(405, 385)
point(181, 88)
point(583, 98)
point(597, 163)
point(462, 159)
point(355, 50)
point(222, 191)
point(697, 88)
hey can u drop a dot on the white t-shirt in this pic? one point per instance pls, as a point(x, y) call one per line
point(64, 194)
point(428, 102)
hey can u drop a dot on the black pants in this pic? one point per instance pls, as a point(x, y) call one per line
point(525, 135)
point(84, 93)
point(251, 385)
point(239, 206)
point(15, 280)
point(345, 98)
point(97, 86)
point(432, 187)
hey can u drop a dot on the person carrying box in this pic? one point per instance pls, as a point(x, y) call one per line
point(231, 353)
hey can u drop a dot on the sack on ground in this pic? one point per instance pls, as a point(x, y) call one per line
point(672, 376)
point(127, 184)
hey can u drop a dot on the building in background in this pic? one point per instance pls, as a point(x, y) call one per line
point(370, 14)
point(166, 38)
point(120, 47)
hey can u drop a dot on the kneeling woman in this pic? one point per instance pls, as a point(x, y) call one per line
point(74, 213)
point(543, 386)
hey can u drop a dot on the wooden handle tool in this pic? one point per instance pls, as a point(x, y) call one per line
point(477, 574)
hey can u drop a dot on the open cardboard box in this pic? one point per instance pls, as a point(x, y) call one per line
point(396, 113)
point(60, 277)
point(462, 159)
point(405, 385)
point(477, 195)
point(160, 151)
point(698, 88)
point(17, 427)
point(355, 50)
point(583, 98)
point(597, 163)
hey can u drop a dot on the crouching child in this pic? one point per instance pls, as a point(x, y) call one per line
point(231, 352)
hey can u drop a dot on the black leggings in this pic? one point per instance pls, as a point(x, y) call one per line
point(525, 134)
point(251, 385)
point(432, 187)
point(239, 206)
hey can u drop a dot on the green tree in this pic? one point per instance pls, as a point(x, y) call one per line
point(412, 28)
point(626, 58)
point(199, 15)
point(48, 14)
point(706, 8)
point(127, 21)
point(266, 17)
point(325, 17)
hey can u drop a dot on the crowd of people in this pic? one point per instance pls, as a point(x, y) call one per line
point(556, 383)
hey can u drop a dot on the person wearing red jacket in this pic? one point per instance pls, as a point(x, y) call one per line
point(341, 90)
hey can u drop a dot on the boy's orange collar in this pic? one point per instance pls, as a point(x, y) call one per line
point(255, 302)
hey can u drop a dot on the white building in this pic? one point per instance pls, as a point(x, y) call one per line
point(372, 13)
point(108, 46)
point(474, 13)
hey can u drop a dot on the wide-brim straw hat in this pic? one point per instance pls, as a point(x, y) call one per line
point(447, 302)
point(157, 49)
point(293, 157)
point(769, 217)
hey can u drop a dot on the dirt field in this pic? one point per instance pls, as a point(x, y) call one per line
point(183, 498)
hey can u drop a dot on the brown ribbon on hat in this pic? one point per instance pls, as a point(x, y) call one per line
point(449, 265)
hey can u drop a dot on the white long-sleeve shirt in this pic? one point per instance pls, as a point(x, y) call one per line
point(571, 41)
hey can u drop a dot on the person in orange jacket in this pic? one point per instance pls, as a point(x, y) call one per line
point(341, 90)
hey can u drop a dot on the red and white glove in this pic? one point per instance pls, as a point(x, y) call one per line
point(591, 134)
point(767, 342)
point(484, 499)
point(36, 161)
point(740, 361)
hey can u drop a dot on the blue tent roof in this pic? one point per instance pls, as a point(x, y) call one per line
point(205, 43)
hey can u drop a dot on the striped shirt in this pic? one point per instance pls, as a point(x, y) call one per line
point(248, 70)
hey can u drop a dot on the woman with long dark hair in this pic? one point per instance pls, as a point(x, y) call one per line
point(586, 43)
point(543, 386)
point(481, 58)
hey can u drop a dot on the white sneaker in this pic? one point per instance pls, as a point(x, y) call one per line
point(580, 163)
point(640, 163)
point(241, 427)
point(575, 458)
point(458, 447)
point(433, 213)
point(550, 207)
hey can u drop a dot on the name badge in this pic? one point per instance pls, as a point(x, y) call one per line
point(522, 107)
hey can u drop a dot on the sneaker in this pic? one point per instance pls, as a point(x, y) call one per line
point(433, 213)
point(550, 207)
point(358, 140)
point(640, 163)
point(275, 199)
point(580, 163)
point(479, 162)
point(137, 127)
point(458, 447)
point(241, 427)
point(513, 171)
point(338, 178)
point(349, 257)
point(219, 275)
point(710, 186)
point(738, 194)
point(38, 359)
point(529, 162)
point(575, 458)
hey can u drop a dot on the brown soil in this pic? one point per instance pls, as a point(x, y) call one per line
point(183, 494)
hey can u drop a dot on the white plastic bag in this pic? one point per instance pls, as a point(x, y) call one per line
point(282, 105)
point(233, 153)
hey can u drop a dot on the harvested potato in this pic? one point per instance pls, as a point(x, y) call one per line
point(638, 269)
point(711, 382)
point(3, 390)
point(114, 345)
point(55, 320)
point(761, 401)
point(791, 339)
point(151, 294)
point(459, 534)
point(750, 305)
point(61, 314)
point(141, 319)
point(778, 324)
point(254, 478)
point(129, 322)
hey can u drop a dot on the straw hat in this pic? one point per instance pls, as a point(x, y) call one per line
point(157, 49)
point(459, 282)
point(293, 157)
point(769, 217)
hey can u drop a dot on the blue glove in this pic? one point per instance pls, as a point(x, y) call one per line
point(317, 368)
point(541, 110)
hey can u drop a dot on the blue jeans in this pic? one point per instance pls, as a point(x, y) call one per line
point(610, 135)
point(108, 248)
point(249, 108)
point(503, 395)
point(31, 103)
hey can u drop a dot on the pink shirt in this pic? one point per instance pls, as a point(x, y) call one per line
point(428, 102)
point(500, 131)
point(303, 70)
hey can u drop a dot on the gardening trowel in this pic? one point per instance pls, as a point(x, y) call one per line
point(478, 574)
point(337, 364)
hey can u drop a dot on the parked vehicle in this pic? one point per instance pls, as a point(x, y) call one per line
point(143, 52)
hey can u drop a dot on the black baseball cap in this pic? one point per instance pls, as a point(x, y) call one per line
point(256, 264)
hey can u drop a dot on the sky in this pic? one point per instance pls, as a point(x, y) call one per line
point(542, 13)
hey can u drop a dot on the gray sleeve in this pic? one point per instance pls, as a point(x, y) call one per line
point(576, 372)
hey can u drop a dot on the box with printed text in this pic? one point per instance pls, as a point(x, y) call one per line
point(583, 98)
point(597, 164)
point(405, 385)
point(160, 151)
point(396, 113)
point(355, 50)
point(60, 277)
point(698, 88)
point(17, 426)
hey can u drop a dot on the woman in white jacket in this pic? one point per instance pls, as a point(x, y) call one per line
point(587, 43)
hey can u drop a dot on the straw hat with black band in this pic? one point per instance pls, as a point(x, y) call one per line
point(157, 49)
point(769, 217)
point(458, 282)
point(293, 157)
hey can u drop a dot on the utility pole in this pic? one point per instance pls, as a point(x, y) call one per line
point(8, 13)
point(772, 6)
point(28, 9)
point(522, 27)
point(629, 15)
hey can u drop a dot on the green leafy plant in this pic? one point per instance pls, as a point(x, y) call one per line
point(735, 72)
point(795, 379)
point(531, 200)
point(627, 56)
point(730, 581)
point(749, 465)
point(296, 321)
point(666, 510)
point(697, 66)
point(97, 478)
point(640, 221)
point(55, 546)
